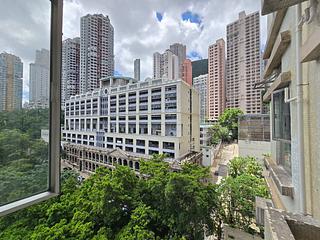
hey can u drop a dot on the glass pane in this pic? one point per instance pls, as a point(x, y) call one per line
point(24, 98)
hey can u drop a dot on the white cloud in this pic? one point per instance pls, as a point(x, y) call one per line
point(138, 33)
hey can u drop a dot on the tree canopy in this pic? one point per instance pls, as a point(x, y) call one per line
point(160, 204)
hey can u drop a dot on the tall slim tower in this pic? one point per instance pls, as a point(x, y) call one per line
point(39, 78)
point(179, 50)
point(70, 68)
point(187, 71)
point(243, 63)
point(96, 51)
point(137, 69)
point(216, 79)
point(11, 72)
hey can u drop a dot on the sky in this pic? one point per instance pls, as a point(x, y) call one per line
point(141, 27)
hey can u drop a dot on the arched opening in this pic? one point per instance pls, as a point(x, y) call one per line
point(125, 162)
point(130, 164)
point(137, 166)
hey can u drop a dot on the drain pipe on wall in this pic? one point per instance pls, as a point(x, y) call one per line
point(300, 133)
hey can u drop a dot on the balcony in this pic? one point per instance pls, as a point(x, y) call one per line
point(171, 130)
point(279, 48)
point(310, 50)
point(269, 6)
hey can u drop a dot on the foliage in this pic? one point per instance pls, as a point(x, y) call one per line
point(219, 133)
point(244, 165)
point(161, 204)
point(236, 195)
point(229, 119)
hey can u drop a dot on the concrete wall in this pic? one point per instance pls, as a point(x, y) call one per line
point(253, 148)
point(236, 234)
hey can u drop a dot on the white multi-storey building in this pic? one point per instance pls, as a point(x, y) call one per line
point(96, 51)
point(70, 68)
point(200, 83)
point(136, 118)
point(39, 78)
point(165, 65)
point(179, 50)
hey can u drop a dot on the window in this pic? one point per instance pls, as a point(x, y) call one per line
point(281, 129)
point(45, 184)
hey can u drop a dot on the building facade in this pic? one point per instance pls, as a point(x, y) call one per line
point(293, 69)
point(70, 82)
point(137, 69)
point(11, 73)
point(243, 63)
point(39, 75)
point(200, 83)
point(179, 50)
point(165, 65)
point(187, 71)
point(216, 80)
point(96, 51)
point(139, 118)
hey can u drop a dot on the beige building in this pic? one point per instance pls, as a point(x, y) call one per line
point(243, 63)
point(139, 118)
point(165, 65)
point(180, 51)
point(11, 73)
point(292, 74)
point(216, 80)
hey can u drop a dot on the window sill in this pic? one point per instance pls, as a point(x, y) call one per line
point(26, 202)
point(280, 177)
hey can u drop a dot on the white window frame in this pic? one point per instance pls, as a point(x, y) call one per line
point(54, 142)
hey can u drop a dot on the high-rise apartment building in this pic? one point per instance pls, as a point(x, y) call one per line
point(70, 83)
point(187, 71)
point(137, 69)
point(216, 80)
point(165, 65)
point(39, 76)
point(200, 83)
point(243, 63)
point(179, 50)
point(136, 118)
point(11, 73)
point(96, 51)
point(199, 67)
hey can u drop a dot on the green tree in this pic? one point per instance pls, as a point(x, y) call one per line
point(229, 119)
point(244, 165)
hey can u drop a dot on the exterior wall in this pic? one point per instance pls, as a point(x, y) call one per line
point(39, 78)
point(216, 80)
point(243, 63)
point(311, 116)
point(179, 50)
point(187, 72)
point(165, 65)
point(96, 51)
point(200, 84)
point(311, 77)
point(137, 69)
point(237, 234)
point(11, 72)
point(253, 148)
point(70, 68)
point(160, 112)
